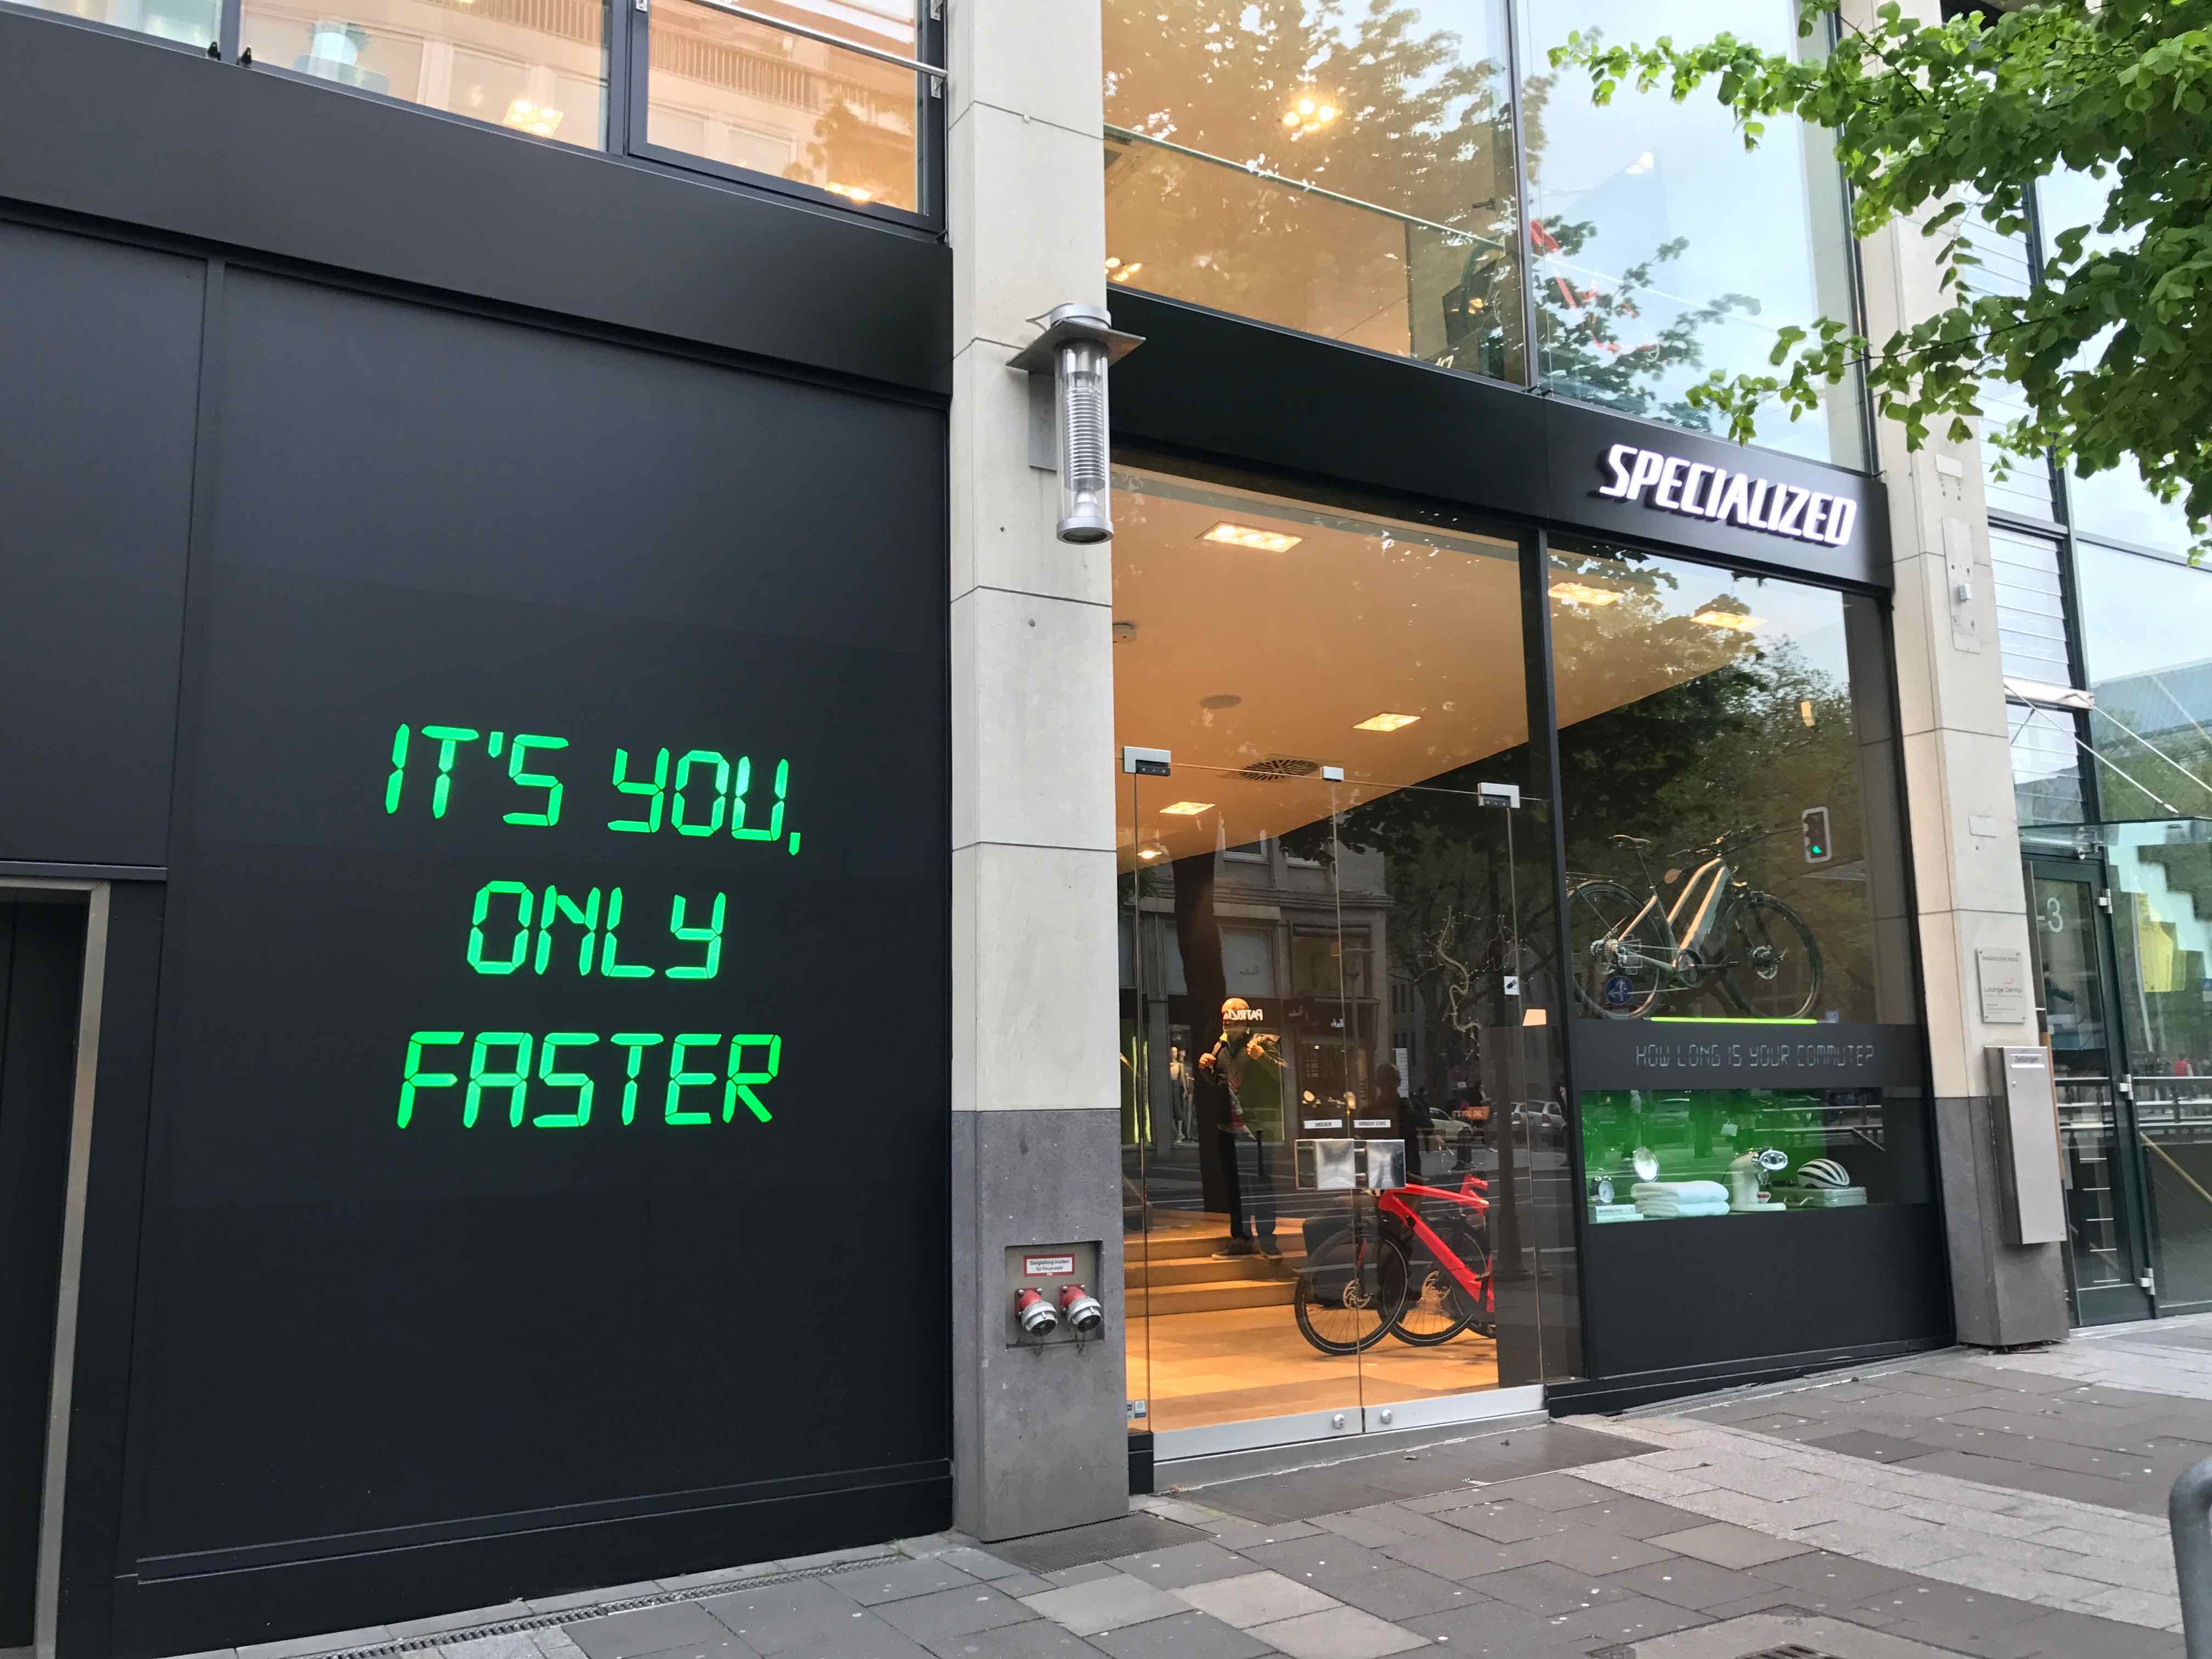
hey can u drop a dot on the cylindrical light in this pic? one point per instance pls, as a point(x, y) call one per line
point(1079, 344)
point(1079, 388)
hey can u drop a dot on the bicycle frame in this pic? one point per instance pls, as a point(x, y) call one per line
point(1390, 1201)
point(1685, 943)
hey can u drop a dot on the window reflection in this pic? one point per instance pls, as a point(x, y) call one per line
point(1661, 248)
point(748, 95)
point(194, 23)
point(1727, 777)
point(1348, 176)
point(2146, 638)
point(535, 66)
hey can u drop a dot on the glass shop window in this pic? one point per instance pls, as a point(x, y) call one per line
point(1661, 249)
point(1346, 174)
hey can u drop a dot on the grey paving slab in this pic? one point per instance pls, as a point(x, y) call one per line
point(1977, 1644)
point(1081, 1575)
point(721, 1576)
point(1323, 1556)
point(1186, 1636)
point(869, 1638)
point(648, 1630)
point(1726, 1545)
point(1505, 1522)
point(725, 1646)
point(1951, 1606)
point(979, 1563)
point(329, 1642)
point(2067, 1635)
point(1698, 1585)
point(1339, 1633)
point(774, 1617)
point(1555, 1492)
point(1255, 1598)
point(1877, 1448)
point(844, 1558)
point(516, 1645)
point(1396, 1591)
point(1630, 1619)
point(1468, 1559)
point(2028, 1477)
point(1836, 1579)
point(1496, 1630)
point(1101, 1540)
point(897, 1579)
point(953, 1613)
point(1632, 1517)
point(1588, 1549)
point(1546, 1588)
point(1182, 1565)
point(1105, 1603)
point(1240, 1534)
point(1021, 1583)
point(1033, 1638)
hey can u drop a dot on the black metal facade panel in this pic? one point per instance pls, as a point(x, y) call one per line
point(1245, 392)
point(1701, 1297)
point(148, 136)
point(95, 503)
point(1642, 1054)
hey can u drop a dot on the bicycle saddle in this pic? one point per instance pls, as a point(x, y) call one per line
point(1632, 841)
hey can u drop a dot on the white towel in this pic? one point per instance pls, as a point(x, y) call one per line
point(1688, 1192)
point(1660, 1208)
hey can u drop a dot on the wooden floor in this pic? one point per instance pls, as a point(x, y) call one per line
point(1230, 1365)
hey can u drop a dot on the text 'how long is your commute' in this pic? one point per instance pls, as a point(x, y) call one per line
point(517, 926)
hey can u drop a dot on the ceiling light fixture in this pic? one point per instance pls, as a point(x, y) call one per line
point(1733, 622)
point(1805, 710)
point(1583, 594)
point(861, 196)
point(1385, 722)
point(1152, 850)
point(1186, 809)
point(541, 120)
point(1243, 535)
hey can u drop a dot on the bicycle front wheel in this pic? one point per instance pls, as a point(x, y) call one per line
point(1350, 1292)
point(1774, 968)
point(1618, 946)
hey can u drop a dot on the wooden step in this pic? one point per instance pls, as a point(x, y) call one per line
point(1204, 1270)
point(1212, 1297)
point(1200, 1246)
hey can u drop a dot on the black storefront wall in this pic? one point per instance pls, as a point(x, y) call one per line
point(349, 1350)
point(1693, 1308)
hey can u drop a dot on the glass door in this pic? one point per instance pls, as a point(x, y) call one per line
point(2107, 1253)
point(1252, 1250)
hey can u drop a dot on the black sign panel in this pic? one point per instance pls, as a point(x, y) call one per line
point(1745, 1053)
point(564, 784)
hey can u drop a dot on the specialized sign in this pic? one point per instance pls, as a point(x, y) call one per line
point(1698, 490)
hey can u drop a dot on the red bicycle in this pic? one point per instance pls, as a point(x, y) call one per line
point(1421, 1282)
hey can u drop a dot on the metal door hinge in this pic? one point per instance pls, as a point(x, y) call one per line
point(2105, 901)
point(2126, 1085)
point(936, 11)
point(2149, 1282)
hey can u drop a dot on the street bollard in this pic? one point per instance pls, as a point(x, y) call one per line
point(2189, 1514)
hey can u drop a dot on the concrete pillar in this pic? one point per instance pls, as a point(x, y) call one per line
point(1966, 838)
point(1039, 1441)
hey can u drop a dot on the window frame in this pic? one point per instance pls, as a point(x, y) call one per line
point(626, 48)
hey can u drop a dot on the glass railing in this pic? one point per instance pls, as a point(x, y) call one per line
point(1190, 226)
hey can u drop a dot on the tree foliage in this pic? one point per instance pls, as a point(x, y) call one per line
point(2111, 353)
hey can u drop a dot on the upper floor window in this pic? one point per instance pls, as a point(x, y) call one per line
point(832, 98)
point(1354, 174)
point(1663, 249)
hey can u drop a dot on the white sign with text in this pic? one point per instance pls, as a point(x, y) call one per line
point(1698, 490)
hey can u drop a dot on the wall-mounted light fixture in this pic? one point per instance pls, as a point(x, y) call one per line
point(1078, 344)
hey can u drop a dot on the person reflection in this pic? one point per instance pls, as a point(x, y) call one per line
point(1248, 1063)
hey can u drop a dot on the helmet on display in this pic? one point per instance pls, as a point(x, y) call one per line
point(1823, 1172)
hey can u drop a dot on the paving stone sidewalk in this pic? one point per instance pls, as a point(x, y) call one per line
point(2009, 1507)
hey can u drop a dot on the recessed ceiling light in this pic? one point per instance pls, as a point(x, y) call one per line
point(1385, 722)
point(1152, 850)
point(1186, 809)
point(1220, 699)
point(1243, 535)
point(1735, 621)
point(1583, 594)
